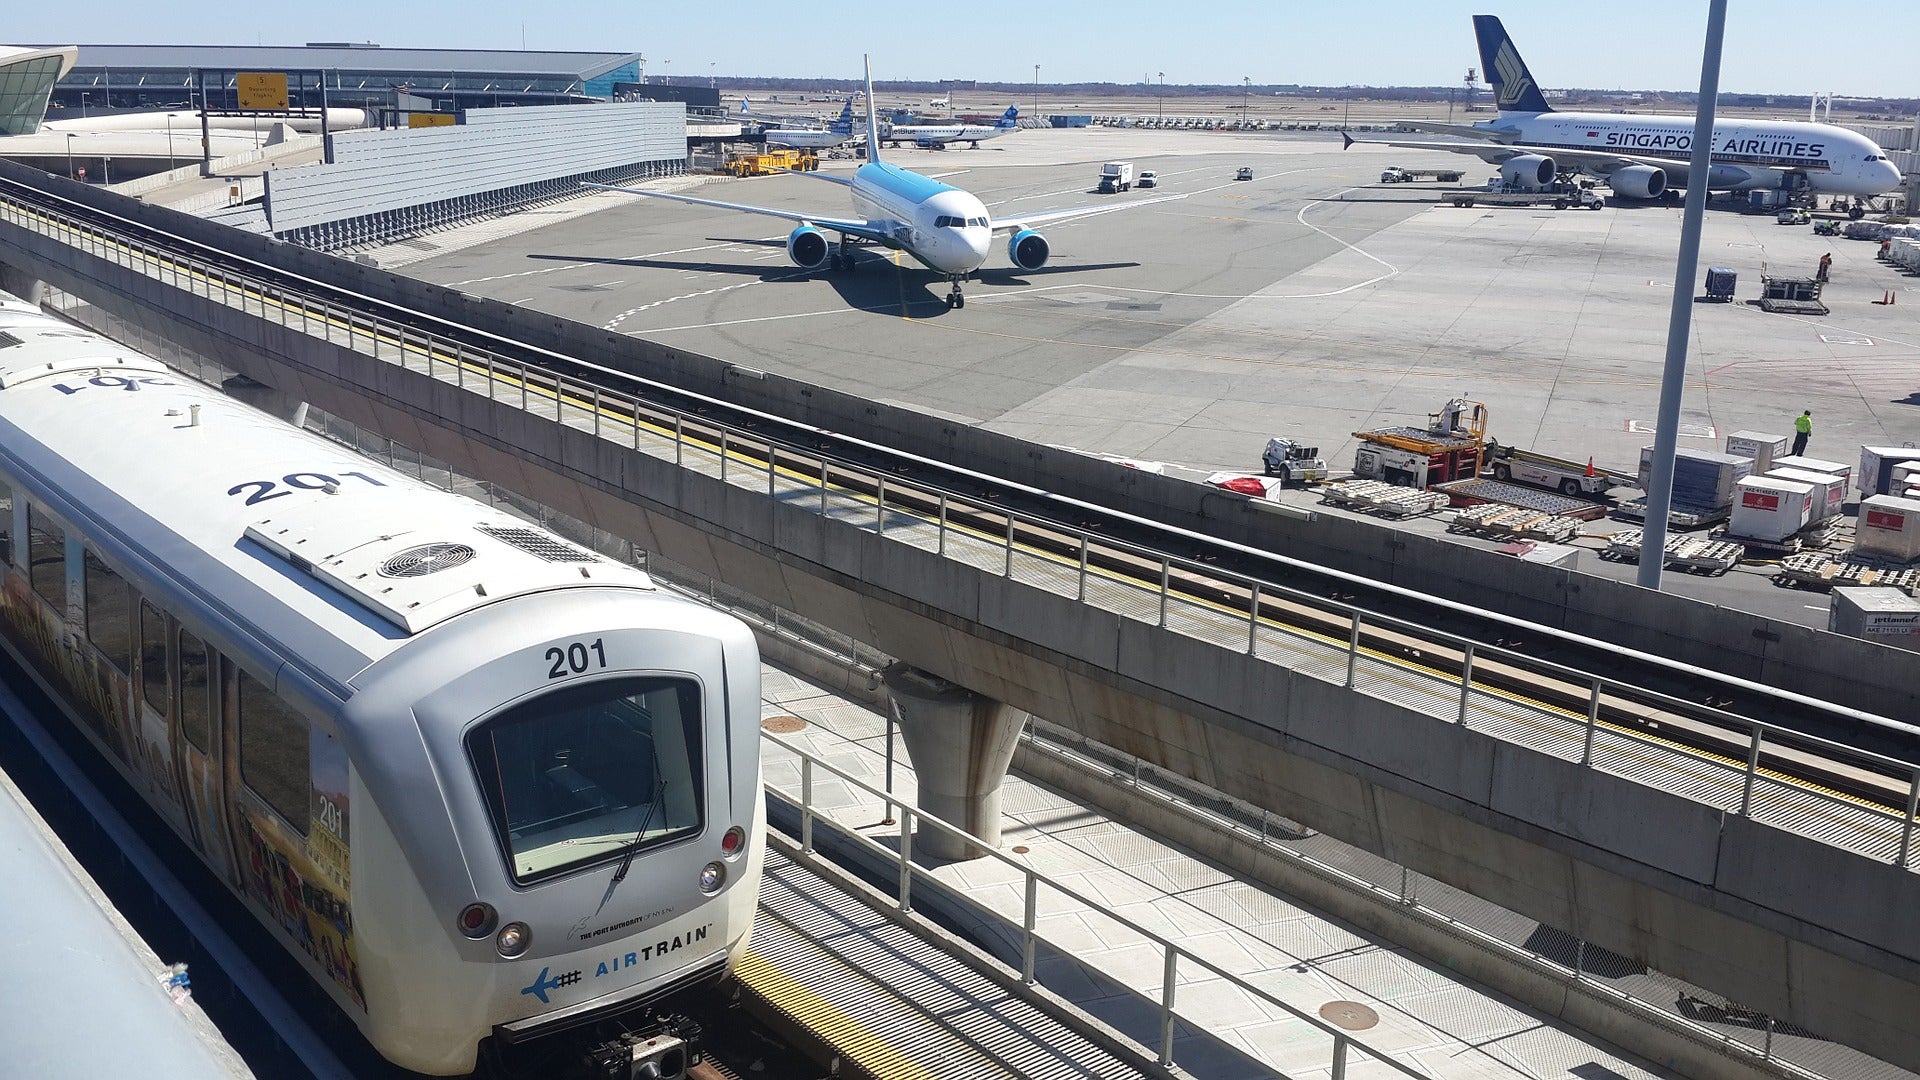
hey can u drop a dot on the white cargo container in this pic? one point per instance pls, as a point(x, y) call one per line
point(1768, 509)
point(1876, 467)
point(1905, 475)
point(1882, 615)
point(1703, 480)
point(1758, 445)
point(1829, 490)
point(1815, 465)
point(1889, 525)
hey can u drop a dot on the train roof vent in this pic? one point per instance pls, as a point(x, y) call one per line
point(537, 544)
point(426, 559)
point(8, 341)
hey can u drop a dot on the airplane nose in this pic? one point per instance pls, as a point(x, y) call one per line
point(1891, 175)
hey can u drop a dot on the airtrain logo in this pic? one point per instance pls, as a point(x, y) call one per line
point(543, 984)
point(1514, 80)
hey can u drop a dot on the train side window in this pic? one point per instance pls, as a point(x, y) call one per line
point(195, 721)
point(153, 657)
point(273, 752)
point(107, 600)
point(47, 558)
point(6, 523)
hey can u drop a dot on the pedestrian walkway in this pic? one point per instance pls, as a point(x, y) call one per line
point(1398, 1002)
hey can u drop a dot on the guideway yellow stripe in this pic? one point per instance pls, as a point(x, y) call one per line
point(826, 1020)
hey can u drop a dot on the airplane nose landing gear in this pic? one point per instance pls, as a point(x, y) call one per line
point(954, 298)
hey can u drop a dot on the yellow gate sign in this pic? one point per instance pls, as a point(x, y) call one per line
point(264, 90)
point(429, 119)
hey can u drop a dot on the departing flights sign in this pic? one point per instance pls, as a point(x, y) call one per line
point(262, 90)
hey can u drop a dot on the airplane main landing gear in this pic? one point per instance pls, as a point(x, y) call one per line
point(843, 256)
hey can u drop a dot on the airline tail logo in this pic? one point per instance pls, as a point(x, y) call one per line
point(1511, 73)
point(1012, 115)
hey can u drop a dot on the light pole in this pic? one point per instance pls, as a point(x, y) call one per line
point(1246, 95)
point(70, 175)
point(1036, 90)
point(713, 81)
point(666, 76)
point(170, 164)
point(1163, 95)
point(1347, 115)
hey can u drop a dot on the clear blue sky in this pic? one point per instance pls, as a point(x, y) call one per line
point(1773, 46)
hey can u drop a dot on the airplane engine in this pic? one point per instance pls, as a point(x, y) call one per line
point(1638, 182)
point(1028, 250)
point(1528, 171)
point(808, 247)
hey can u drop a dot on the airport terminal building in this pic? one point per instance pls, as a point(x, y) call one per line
point(356, 75)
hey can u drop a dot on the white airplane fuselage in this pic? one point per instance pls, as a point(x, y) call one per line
point(1746, 155)
point(944, 227)
point(807, 138)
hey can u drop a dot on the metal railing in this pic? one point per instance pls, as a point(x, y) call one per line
point(1503, 692)
point(1174, 956)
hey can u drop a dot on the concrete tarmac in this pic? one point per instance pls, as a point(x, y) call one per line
point(1311, 301)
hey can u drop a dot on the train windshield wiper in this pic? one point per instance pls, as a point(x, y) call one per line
point(640, 834)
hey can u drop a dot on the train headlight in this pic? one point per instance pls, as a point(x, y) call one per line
point(734, 842)
point(513, 939)
point(476, 920)
point(712, 876)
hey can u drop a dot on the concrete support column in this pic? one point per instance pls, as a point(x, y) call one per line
point(961, 744)
point(21, 284)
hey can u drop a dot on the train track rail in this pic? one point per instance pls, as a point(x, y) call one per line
point(1848, 757)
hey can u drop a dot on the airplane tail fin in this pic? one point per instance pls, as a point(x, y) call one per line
point(1011, 118)
point(873, 116)
point(1514, 89)
point(844, 125)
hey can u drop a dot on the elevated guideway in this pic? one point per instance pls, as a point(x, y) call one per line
point(1747, 844)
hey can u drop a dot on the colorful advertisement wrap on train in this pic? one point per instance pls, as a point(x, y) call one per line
point(83, 679)
point(305, 883)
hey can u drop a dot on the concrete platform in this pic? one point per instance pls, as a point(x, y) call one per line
point(1309, 301)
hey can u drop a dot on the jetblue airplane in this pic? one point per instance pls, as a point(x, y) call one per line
point(946, 228)
point(937, 136)
point(840, 131)
point(1644, 156)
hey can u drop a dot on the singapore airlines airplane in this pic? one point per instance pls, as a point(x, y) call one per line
point(937, 136)
point(1643, 156)
point(946, 228)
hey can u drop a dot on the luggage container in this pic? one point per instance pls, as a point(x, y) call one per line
point(1905, 475)
point(1876, 467)
point(1769, 509)
point(1759, 446)
point(1818, 465)
point(1721, 282)
point(1881, 615)
point(1889, 526)
point(1702, 479)
point(1829, 490)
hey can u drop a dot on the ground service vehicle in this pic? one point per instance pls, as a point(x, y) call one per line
point(1570, 478)
point(1394, 174)
point(1499, 192)
point(481, 783)
point(1148, 178)
point(1116, 176)
point(1793, 215)
point(1292, 462)
point(1245, 173)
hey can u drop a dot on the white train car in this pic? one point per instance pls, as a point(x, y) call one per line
point(483, 783)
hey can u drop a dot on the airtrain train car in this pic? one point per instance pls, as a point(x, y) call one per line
point(482, 783)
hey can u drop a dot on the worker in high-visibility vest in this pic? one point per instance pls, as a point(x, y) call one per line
point(1802, 431)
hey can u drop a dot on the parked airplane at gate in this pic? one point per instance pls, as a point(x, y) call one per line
point(1644, 156)
point(937, 136)
point(946, 228)
point(840, 131)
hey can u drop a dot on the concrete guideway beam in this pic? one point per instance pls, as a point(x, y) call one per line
point(961, 745)
point(1646, 873)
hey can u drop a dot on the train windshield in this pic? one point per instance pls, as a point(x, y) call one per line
point(576, 776)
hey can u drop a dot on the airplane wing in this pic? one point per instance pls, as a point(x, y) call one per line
point(878, 231)
point(1017, 222)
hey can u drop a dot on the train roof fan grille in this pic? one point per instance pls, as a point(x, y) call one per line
point(426, 559)
point(8, 341)
point(537, 544)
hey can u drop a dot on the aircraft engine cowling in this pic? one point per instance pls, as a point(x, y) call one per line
point(1528, 171)
point(1638, 181)
point(808, 247)
point(1028, 250)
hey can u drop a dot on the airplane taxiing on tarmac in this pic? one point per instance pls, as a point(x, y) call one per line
point(937, 136)
point(1643, 156)
point(840, 131)
point(948, 229)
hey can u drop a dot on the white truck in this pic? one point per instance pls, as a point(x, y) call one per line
point(1116, 176)
point(1292, 462)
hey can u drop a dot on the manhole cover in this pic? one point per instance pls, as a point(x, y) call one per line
point(1349, 1014)
point(782, 725)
